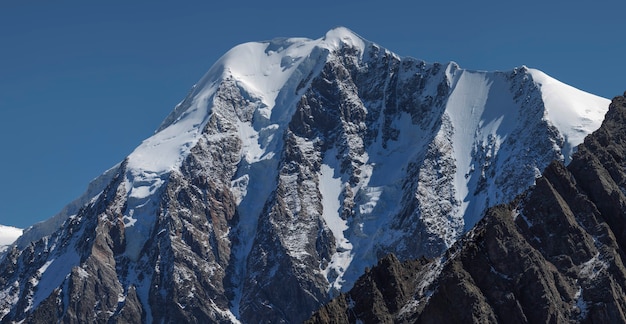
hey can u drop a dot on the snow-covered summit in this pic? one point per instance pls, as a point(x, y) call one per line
point(8, 235)
point(267, 73)
point(570, 110)
point(261, 69)
point(290, 167)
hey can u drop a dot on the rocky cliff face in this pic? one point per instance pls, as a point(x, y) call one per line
point(292, 166)
point(556, 254)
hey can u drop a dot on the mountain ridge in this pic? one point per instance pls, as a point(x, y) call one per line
point(553, 254)
point(279, 179)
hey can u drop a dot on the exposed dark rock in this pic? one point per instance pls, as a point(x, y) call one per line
point(379, 293)
point(554, 255)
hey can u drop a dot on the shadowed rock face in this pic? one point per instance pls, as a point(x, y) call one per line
point(555, 254)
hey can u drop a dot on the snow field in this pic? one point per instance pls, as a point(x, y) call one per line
point(573, 112)
point(8, 235)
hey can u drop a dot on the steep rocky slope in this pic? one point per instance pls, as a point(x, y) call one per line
point(289, 168)
point(556, 254)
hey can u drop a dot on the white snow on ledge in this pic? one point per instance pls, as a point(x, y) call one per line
point(330, 189)
point(573, 112)
point(8, 235)
point(149, 165)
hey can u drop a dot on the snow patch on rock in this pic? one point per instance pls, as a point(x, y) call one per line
point(331, 187)
point(8, 235)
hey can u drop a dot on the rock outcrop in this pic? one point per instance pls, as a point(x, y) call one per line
point(554, 255)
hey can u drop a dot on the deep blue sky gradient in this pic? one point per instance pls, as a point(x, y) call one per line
point(82, 83)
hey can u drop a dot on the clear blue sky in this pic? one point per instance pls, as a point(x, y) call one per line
point(83, 82)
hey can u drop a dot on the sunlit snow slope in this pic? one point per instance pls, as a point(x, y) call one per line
point(8, 235)
point(290, 167)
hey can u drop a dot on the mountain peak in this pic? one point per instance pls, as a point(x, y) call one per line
point(294, 163)
point(338, 35)
point(567, 108)
point(8, 235)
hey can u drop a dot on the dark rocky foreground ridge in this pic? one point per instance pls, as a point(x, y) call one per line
point(554, 255)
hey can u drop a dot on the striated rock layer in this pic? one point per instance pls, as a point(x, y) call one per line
point(556, 254)
point(290, 167)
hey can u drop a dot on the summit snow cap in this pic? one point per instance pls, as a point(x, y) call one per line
point(8, 235)
point(569, 110)
point(261, 68)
